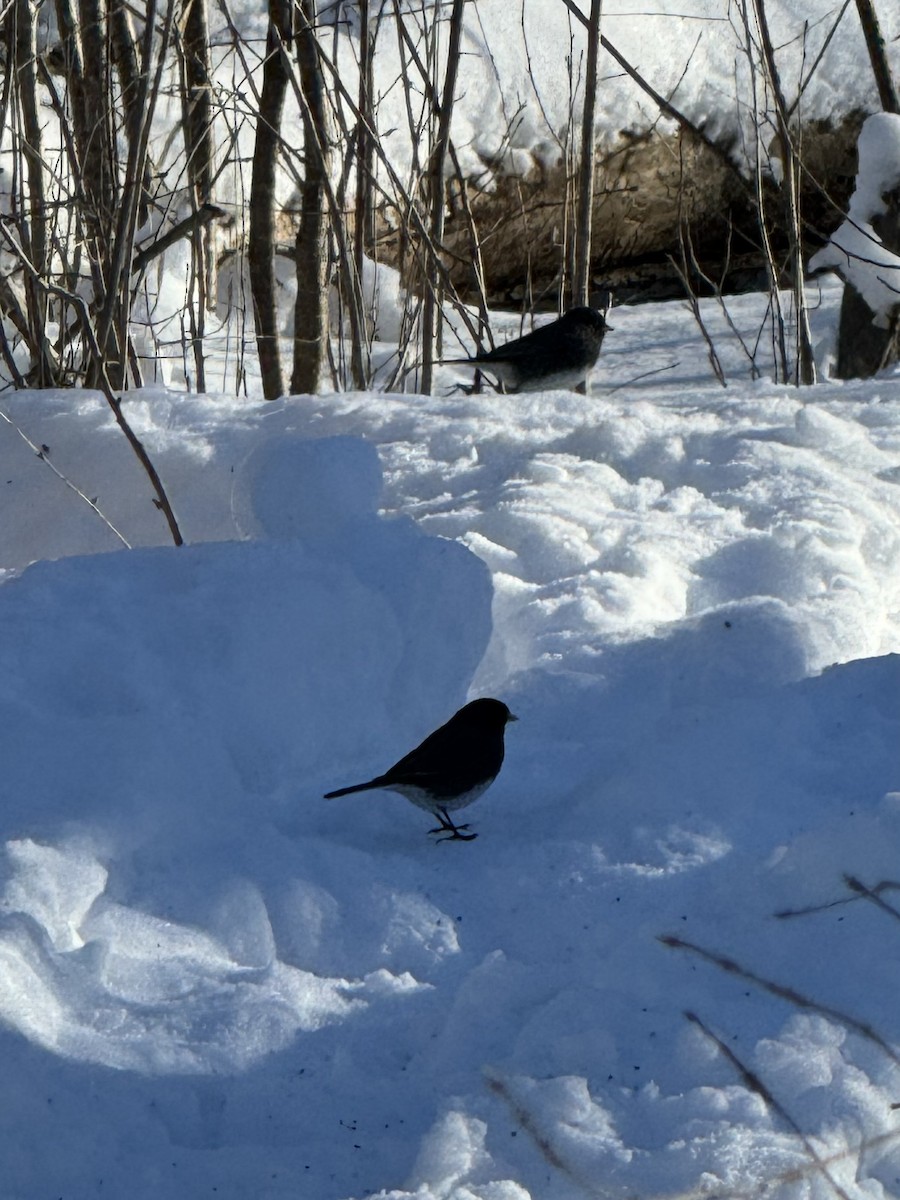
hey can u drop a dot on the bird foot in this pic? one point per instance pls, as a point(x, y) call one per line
point(454, 835)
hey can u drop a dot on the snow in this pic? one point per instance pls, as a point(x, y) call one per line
point(521, 73)
point(216, 983)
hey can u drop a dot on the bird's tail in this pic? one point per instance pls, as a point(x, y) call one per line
point(355, 787)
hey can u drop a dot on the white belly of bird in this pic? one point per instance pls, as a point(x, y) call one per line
point(433, 804)
point(566, 379)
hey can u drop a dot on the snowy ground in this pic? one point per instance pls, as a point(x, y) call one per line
point(213, 982)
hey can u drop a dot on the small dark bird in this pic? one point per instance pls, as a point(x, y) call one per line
point(558, 355)
point(451, 768)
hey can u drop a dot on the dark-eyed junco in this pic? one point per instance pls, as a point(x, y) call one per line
point(451, 768)
point(558, 355)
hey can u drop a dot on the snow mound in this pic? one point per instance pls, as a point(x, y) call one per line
point(105, 983)
point(187, 690)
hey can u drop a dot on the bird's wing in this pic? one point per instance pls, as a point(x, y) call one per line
point(444, 761)
point(432, 757)
point(520, 348)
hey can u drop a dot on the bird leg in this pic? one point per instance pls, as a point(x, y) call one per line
point(453, 832)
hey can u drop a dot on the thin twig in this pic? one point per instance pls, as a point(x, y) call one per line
point(693, 301)
point(791, 995)
point(43, 454)
point(755, 1084)
point(114, 401)
point(184, 228)
point(644, 375)
point(866, 893)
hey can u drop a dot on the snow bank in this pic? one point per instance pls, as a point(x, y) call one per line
point(163, 695)
point(518, 94)
point(214, 982)
point(602, 518)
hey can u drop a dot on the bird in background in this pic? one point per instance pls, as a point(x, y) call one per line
point(558, 355)
point(451, 768)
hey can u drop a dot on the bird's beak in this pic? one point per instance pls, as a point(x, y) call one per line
point(512, 717)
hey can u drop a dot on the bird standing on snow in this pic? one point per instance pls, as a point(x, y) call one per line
point(558, 355)
point(451, 768)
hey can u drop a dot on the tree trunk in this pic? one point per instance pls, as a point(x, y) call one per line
point(581, 282)
point(33, 228)
point(884, 81)
point(198, 100)
point(864, 348)
point(311, 309)
point(261, 242)
point(125, 59)
point(804, 370)
point(431, 305)
point(84, 47)
point(197, 120)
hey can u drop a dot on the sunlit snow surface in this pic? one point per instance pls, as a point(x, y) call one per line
point(213, 982)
